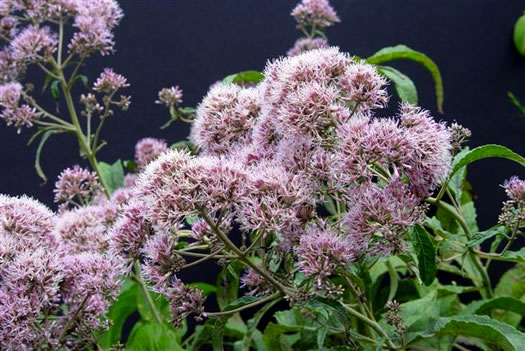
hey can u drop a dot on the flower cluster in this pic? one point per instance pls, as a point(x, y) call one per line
point(170, 97)
point(315, 13)
point(307, 44)
point(513, 211)
point(76, 185)
point(147, 150)
point(14, 114)
point(46, 273)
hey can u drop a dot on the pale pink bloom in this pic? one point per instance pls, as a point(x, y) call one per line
point(109, 82)
point(315, 13)
point(513, 211)
point(170, 96)
point(255, 283)
point(321, 251)
point(515, 189)
point(34, 43)
point(147, 150)
point(363, 86)
point(225, 118)
point(307, 44)
point(76, 184)
point(185, 300)
point(8, 27)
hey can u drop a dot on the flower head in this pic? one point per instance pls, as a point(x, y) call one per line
point(307, 44)
point(76, 183)
point(185, 300)
point(364, 86)
point(109, 82)
point(225, 118)
point(34, 43)
point(147, 150)
point(315, 13)
point(255, 283)
point(170, 96)
point(513, 211)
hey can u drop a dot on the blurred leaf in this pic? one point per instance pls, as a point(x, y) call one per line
point(516, 102)
point(405, 88)
point(55, 91)
point(81, 78)
point(152, 337)
point(519, 35)
point(426, 253)
point(244, 77)
point(497, 334)
point(113, 175)
point(479, 237)
point(500, 302)
point(404, 52)
point(486, 151)
point(130, 165)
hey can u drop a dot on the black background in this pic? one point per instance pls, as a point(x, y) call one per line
point(194, 43)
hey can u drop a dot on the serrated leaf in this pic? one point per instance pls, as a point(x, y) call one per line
point(500, 302)
point(426, 253)
point(479, 237)
point(405, 87)
point(244, 77)
point(404, 52)
point(519, 35)
point(113, 175)
point(497, 334)
point(486, 151)
point(152, 337)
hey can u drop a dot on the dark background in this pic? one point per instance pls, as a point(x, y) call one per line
point(193, 43)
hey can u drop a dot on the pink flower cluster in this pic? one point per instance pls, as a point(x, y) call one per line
point(270, 157)
point(307, 44)
point(53, 266)
point(76, 185)
point(315, 13)
point(513, 211)
point(147, 150)
point(170, 97)
point(13, 113)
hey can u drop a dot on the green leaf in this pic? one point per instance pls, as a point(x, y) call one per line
point(493, 332)
point(405, 88)
point(519, 35)
point(55, 91)
point(414, 310)
point(228, 284)
point(426, 253)
point(512, 283)
point(118, 313)
point(152, 337)
point(253, 322)
point(183, 145)
point(244, 77)
point(113, 174)
point(516, 102)
point(241, 302)
point(404, 52)
point(188, 110)
point(43, 140)
point(501, 303)
point(82, 78)
point(514, 256)
point(217, 336)
point(130, 165)
point(486, 151)
point(479, 237)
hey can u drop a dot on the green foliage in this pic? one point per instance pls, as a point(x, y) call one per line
point(519, 35)
point(244, 77)
point(405, 87)
point(152, 337)
point(404, 52)
point(426, 254)
point(113, 174)
point(45, 137)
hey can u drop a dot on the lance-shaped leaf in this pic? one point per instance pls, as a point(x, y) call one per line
point(43, 140)
point(405, 87)
point(426, 253)
point(244, 77)
point(486, 151)
point(404, 52)
point(113, 174)
point(519, 35)
point(506, 303)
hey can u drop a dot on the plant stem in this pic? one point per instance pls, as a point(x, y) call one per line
point(371, 323)
point(468, 233)
point(145, 291)
point(253, 304)
point(71, 320)
point(230, 245)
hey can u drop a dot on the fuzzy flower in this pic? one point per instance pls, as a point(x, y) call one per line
point(95, 20)
point(109, 82)
point(34, 43)
point(130, 232)
point(130, 180)
point(76, 183)
point(321, 252)
point(84, 229)
point(161, 261)
point(147, 150)
point(315, 13)
point(170, 96)
point(275, 200)
point(185, 300)
point(91, 284)
point(378, 218)
point(10, 94)
point(225, 118)
point(10, 69)
point(307, 44)
point(27, 220)
point(459, 135)
point(256, 284)
point(8, 27)
point(20, 117)
point(513, 211)
point(364, 86)
point(177, 185)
